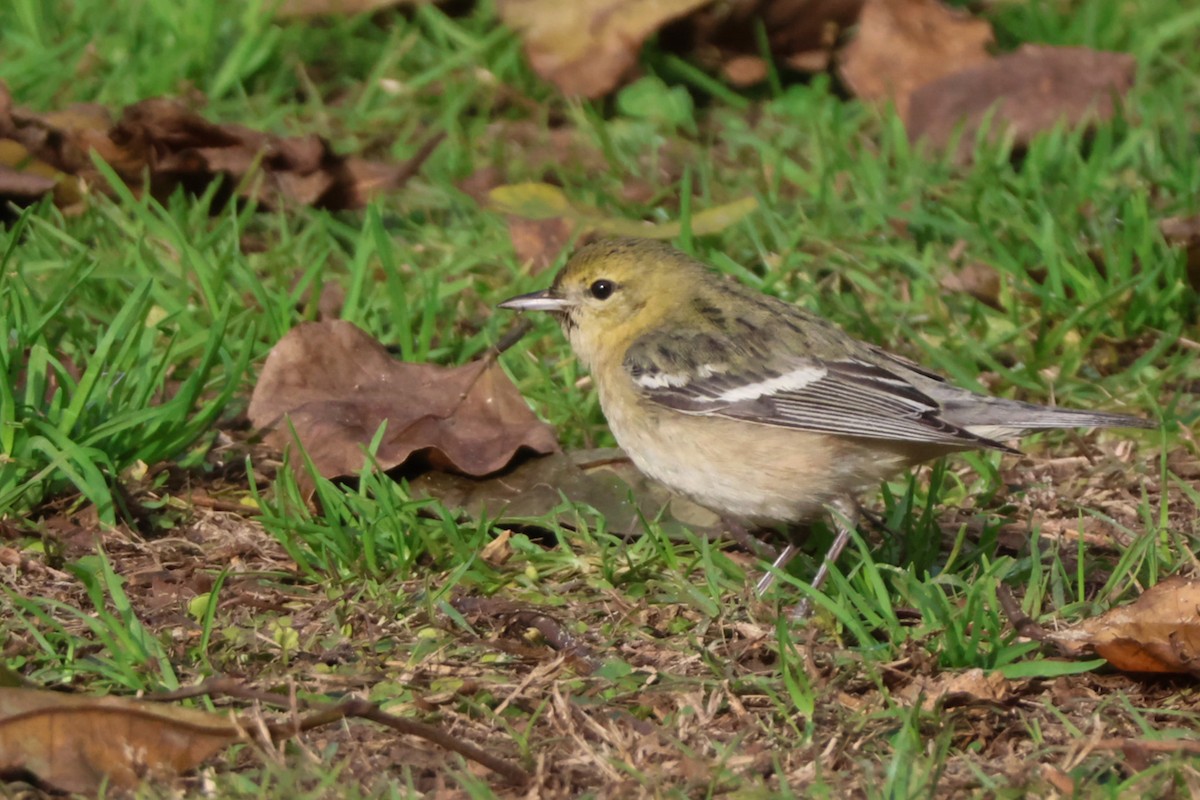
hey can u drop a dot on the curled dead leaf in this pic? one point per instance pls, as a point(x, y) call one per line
point(1158, 632)
point(21, 186)
point(977, 279)
point(498, 551)
point(970, 687)
point(335, 385)
point(727, 36)
point(745, 70)
point(1026, 92)
point(903, 44)
point(175, 147)
point(538, 242)
point(74, 743)
point(586, 47)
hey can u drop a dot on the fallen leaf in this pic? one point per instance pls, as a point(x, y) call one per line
point(24, 178)
point(21, 185)
point(1185, 232)
point(703, 223)
point(744, 70)
point(160, 146)
point(903, 44)
point(74, 743)
point(586, 47)
point(532, 201)
point(541, 201)
point(604, 480)
point(727, 36)
point(972, 686)
point(498, 551)
point(336, 385)
point(538, 243)
point(1158, 632)
point(1027, 92)
point(480, 182)
point(977, 279)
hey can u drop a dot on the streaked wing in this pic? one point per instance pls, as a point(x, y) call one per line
point(851, 397)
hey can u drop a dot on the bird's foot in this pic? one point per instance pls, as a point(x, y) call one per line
point(845, 515)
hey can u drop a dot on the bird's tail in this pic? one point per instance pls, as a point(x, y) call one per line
point(1001, 419)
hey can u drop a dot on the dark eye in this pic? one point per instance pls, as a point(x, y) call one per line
point(602, 288)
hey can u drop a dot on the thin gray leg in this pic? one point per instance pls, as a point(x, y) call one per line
point(845, 516)
point(781, 561)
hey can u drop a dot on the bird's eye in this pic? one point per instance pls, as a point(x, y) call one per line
point(602, 289)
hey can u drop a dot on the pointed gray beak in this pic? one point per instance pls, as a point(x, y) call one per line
point(537, 301)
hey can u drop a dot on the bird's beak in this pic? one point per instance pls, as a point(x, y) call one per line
point(537, 301)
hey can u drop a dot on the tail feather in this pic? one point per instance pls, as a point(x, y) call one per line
point(997, 418)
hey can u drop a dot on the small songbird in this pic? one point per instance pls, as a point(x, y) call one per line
point(759, 410)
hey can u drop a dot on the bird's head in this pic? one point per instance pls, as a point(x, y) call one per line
point(613, 291)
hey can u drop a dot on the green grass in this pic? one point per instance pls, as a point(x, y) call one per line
point(133, 334)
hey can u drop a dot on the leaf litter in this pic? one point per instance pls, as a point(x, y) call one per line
point(655, 714)
point(332, 386)
point(626, 687)
point(587, 48)
point(78, 743)
point(74, 743)
point(157, 146)
point(1157, 633)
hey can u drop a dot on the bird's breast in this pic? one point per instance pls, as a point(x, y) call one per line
point(745, 470)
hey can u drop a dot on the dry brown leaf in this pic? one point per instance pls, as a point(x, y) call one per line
point(539, 242)
point(1158, 632)
point(481, 181)
point(586, 47)
point(1185, 232)
point(903, 44)
point(20, 186)
point(801, 35)
point(177, 148)
point(24, 177)
point(972, 686)
point(498, 551)
point(336, 385)
point(977, 279)
point(1028, 91)
point(74, 742)
point(741, 70)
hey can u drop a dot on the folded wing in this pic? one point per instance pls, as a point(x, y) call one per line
point(850, 397)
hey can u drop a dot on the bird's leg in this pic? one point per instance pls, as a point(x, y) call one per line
point(763, 550)
point(845, 513)
point(781, 561)
point(739, 533)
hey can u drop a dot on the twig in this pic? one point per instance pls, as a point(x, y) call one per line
point(515, 616)
point(227, 506)
point(514, 335)
point(1190, 746)
point(354, 707)
point(1023, 623)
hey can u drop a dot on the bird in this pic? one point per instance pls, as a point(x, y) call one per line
point(763, 412)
